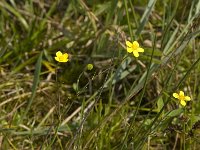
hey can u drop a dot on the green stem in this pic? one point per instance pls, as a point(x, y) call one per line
point(184, 130)
point(128, 20)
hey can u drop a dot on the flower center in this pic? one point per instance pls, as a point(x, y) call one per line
point(134, 46)
point(182, 98)
point(61, 58)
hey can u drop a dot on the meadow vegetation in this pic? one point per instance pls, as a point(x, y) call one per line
point(99, 74)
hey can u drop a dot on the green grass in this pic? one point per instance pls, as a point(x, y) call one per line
point(123, 102)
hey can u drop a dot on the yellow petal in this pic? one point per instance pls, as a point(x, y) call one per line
point(57, 59)
point(59, 53)
point(129, 44)
point(135, 45)
point(135, 53)
point(187, 98)
point(65, 60)
point(175, 95)
point(65, 55)
point(181, 93)
point(183, 103)
point(130, 50)
point(140, 50)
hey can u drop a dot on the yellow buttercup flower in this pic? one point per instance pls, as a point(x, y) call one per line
point(134, 48)
point(182, 98)
point(60, 57)
point(89, 66)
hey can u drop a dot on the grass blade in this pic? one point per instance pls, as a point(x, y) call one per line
point(145, 16)
point(35, 83)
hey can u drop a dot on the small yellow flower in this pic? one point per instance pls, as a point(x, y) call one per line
point(89, 66)
point(60, 57)
point(182, 98)
point(134, 48)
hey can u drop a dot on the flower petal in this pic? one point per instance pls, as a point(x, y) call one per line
point(183, 103)
point(187, 98)
point(65, 55)
point(65, 60)
point(57, 59)
point(59, 53)
point(175, 95)
point(129, 44)
point(135, 53)
point(135, 45)
point(181, 93)
point(130, 50)
point(140, 49)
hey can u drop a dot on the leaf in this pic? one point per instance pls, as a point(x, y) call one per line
point(160, 103)
point(35, 83)
point(121, 72)
point(145, 16)
point(175, 112)
point(15, 12)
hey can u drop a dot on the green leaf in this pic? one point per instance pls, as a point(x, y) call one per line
point(14, 12)
point(160, 103)
point(175, 112)
point(145, 16)
point(121, 72)
point(35, 83)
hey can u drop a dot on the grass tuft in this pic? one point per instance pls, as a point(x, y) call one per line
point(104, 96)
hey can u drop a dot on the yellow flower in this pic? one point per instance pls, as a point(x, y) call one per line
point(134, 48)
point(182, 98)
point(89, 66)
point(60, 57)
